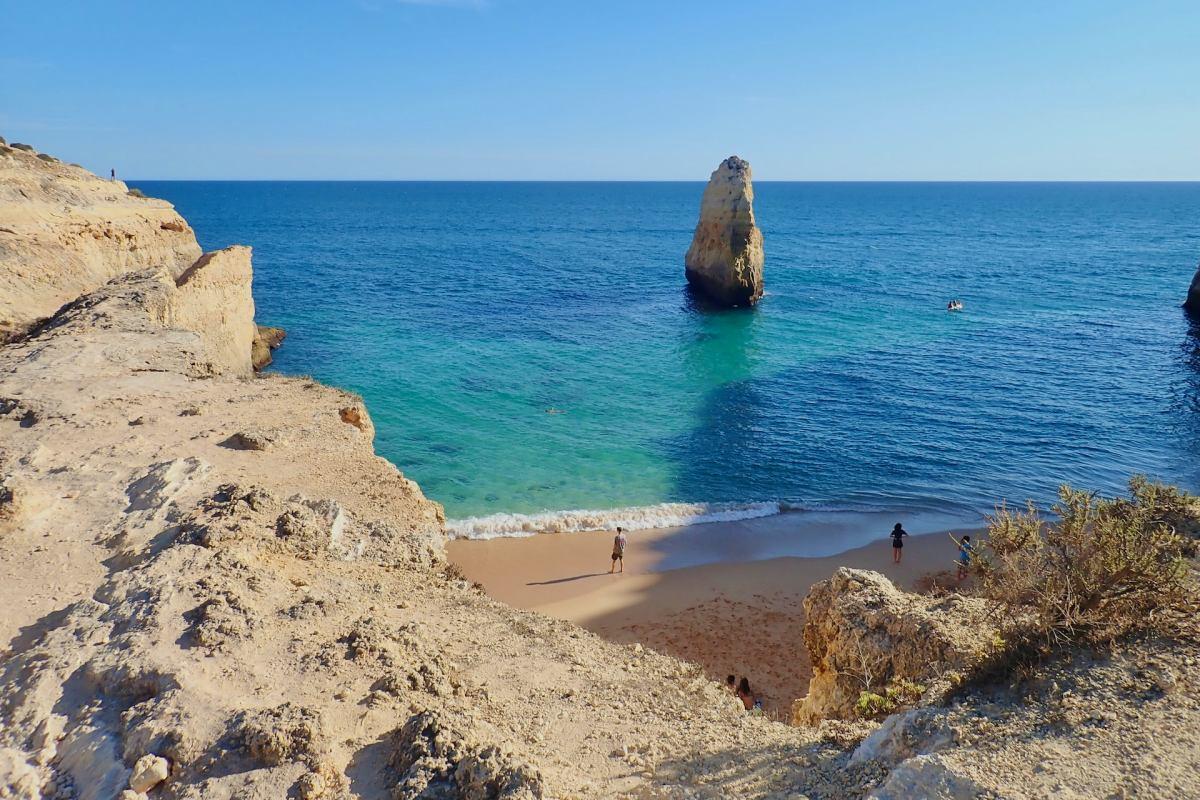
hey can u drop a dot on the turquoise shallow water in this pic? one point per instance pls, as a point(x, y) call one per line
point(463, 312)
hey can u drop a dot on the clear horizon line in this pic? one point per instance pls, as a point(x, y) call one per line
point(661, 180)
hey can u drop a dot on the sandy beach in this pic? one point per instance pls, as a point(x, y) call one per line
point(724, 595)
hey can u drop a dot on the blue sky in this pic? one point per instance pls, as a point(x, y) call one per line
point(558, 89)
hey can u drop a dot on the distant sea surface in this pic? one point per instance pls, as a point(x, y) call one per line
point(530, 355)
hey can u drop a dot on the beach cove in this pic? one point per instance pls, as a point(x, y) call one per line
point(725, 595)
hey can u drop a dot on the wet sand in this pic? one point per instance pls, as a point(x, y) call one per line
point(724, 595)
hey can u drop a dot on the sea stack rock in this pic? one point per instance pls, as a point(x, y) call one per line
point(725, 261)
point(1192, 303)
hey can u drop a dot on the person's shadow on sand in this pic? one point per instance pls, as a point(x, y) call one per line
point(566, 580)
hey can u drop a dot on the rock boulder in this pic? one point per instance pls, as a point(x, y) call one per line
point(864, 634)
point(266, 340)
point(725, 261)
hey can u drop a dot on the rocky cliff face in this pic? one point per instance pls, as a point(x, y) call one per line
point(1193, 296)
point(64, 232)
point(725, 260)
point(213, 298)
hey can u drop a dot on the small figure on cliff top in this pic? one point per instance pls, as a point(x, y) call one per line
point(112, 174)
point(898, 533)
point(618, 553)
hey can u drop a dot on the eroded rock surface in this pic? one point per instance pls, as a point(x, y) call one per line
point(213, 298)
point(725, 260)
point(864, 635)
point(64, 232)
point(1192, 303)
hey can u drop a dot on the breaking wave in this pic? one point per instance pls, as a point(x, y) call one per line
point(661, 515)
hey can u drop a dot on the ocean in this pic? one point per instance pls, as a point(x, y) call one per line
point(530, 354)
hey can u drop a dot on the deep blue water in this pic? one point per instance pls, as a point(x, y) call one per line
point(462, 312)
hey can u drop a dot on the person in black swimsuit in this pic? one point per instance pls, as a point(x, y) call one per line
point(898, 534)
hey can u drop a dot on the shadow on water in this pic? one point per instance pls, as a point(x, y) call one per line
point(696, 302)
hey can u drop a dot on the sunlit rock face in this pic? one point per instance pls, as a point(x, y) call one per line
point(725, 261)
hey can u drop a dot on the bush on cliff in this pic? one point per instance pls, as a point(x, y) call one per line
point(1104, 568)
point(135, 192)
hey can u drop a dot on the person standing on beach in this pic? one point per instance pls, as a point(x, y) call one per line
point(898, 534)
point(618, 553)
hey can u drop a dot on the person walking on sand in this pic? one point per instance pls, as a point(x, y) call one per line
point(898, 534)
point(965, 550)
point(618, 553)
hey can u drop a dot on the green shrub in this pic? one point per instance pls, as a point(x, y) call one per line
point(47, 157)
point(1105, 567)
point(135, 192)
point(898, 693)
point(19, 146)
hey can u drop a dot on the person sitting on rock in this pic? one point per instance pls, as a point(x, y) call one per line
point(745, 695)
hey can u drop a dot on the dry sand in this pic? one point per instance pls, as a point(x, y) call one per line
point(730, 616)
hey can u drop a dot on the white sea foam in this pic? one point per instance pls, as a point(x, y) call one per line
point(662, 515)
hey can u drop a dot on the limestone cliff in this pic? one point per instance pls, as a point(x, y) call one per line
point(64, 231)
point(725, 260)
point(1193, 296)
point(213, 298)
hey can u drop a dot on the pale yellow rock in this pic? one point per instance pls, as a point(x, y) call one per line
point(725, 260)
point(149, 771)
point(213, 298)
point(64, 232)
